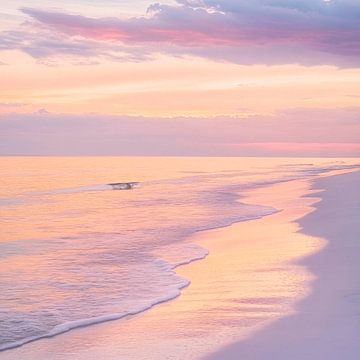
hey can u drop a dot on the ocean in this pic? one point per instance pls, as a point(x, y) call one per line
point(76, 252)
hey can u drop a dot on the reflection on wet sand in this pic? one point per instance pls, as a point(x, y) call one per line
point(249, 279)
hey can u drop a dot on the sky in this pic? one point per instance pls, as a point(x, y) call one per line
point(180, 77)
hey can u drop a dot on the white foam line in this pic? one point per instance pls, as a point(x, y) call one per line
point(71, 325)
point(63, 328)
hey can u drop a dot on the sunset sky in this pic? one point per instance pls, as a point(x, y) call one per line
point(181, 77)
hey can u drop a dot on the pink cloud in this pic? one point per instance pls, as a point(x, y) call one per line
point(260, 31)
point(349, 149)
point(182, 25)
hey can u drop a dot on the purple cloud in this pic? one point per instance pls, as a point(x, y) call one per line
point(260, 31)
point(46, 45)
point(336, 131)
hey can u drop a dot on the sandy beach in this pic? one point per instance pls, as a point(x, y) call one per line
point(180, 180)
point(262, 281)
point(326, 324)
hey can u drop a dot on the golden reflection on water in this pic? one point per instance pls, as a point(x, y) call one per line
point(250, 276)
point(24, 178)
point(249, 279)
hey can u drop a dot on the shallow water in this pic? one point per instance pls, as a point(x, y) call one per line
point(73, 251)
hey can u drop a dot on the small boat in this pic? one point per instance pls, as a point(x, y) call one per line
point(124, 186)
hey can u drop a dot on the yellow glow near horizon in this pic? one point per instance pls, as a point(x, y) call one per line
point(173, 87)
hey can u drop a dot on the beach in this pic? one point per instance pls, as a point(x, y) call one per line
point(326, 324)
point(292, 273)
point(180, 180)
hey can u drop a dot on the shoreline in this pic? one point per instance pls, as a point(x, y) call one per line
point(199, 303)
point(326, 324)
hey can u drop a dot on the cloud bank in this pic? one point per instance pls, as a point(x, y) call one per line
point(298, 132)
point(240, 31)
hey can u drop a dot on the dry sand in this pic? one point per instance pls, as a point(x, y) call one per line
point(327, 323)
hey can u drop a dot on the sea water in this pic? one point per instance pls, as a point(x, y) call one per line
point(74, 251)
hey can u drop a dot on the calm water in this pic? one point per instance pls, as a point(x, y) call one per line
point(73, 251)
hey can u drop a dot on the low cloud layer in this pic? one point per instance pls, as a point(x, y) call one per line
point(240, 31)
point(297, 132)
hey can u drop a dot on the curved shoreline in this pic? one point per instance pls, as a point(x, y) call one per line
point(77, 324)
point(81, 323)
point(113, 331)
point(326, 324)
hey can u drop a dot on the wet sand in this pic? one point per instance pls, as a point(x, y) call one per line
point(326, 324)
point(252, 280)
